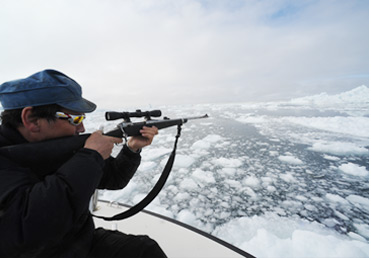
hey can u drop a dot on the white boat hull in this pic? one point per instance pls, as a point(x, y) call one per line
point(175, 238)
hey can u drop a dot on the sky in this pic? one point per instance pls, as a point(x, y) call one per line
point(146, 53)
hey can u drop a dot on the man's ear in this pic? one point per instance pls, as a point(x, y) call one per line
point(29, 122)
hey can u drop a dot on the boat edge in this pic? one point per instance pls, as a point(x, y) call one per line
point(196, 230)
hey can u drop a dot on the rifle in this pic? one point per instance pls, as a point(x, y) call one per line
point(129, 128)
point(65, 145)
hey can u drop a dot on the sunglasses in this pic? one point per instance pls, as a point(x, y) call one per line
point(73, 119)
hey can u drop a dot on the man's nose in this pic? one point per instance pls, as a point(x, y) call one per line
point(80, 128)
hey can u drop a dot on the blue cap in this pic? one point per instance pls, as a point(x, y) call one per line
point(44, 88)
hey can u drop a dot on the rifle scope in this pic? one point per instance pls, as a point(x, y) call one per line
point(111, 115)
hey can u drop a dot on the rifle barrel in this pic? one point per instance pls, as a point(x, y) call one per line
point(197, 117)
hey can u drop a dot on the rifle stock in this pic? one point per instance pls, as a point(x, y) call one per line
point(44, 155)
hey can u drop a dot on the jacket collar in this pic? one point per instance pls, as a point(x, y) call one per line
point(10, 136)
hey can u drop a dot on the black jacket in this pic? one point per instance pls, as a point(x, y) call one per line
point(44, 203)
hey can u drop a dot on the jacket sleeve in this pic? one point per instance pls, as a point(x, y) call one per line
point(118, 171)
point(36, 213)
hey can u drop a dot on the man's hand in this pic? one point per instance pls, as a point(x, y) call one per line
point(101, 143)
point(136, 143)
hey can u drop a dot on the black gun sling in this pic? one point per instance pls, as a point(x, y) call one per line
point(155, 190)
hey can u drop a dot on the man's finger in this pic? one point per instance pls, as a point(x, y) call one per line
point(116, 139)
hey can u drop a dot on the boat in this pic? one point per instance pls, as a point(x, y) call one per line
point(175, 238)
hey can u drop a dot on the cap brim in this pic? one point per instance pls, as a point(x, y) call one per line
point(81, 105)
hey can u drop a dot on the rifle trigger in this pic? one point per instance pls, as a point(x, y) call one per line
point(124, 134)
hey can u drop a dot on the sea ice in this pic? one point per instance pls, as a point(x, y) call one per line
point(357, 126)
point(147, 165)
point(154, 153)
point(336, 199)
point(183, 161)
point(274, 236)
point(287, 178)
point(291, 160)
point(251, 181)
point(203, 176)
point(188, 183)
point(358, 199)
point(332, 158)
point(339, 148)
point(354, 169)
point(264, 176)
point(225, 162)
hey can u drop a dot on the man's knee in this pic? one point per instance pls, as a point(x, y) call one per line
point(150, 247)
point(117, 244)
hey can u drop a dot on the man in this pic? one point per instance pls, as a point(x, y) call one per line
point(45, 194)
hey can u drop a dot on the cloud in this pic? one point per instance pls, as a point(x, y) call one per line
point(167, 52)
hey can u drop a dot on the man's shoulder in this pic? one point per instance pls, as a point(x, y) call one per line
point(6, 163)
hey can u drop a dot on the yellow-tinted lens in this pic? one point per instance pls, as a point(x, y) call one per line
point(78, 119)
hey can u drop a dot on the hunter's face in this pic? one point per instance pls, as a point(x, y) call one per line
point(61, 127)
